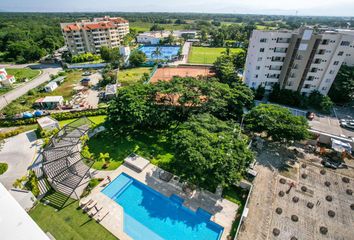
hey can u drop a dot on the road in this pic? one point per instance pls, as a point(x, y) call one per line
point(47, 70)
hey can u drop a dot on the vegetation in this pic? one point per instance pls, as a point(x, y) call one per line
point(22, 73)
point(85, 57)
point(295, 99)
point(25, 102)
point(154, 145)
point(68, 222)
point(162, 104)
point(226, 65)
point(30, 183)
point(207, 55)
point(133, 75)
point(92, 184)
point(277, 122)
point(137, 58)
point(112, 56)
point(28, 37)
point(342, 90)
point(3, 168)
point(209, 152)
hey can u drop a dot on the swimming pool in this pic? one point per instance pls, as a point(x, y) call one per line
point(167, 52)
point(150, 215)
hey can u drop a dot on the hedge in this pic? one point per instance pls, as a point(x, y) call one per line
point(58, 116)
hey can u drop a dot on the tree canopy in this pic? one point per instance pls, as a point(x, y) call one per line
point(278, 122)
point(342, 90)
point(209, 152)
point(137, 58)
point(166, 102)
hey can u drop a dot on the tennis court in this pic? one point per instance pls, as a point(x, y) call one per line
point(167, 73)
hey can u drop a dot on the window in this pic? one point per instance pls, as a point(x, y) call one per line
point(263, 40)
point(261, 50)
point(340, 53)
point(275, 67)
point(325, 42)
point(307, 86)
point(317, 61)
point(345, 43)
point(256, 76)
point(328, 80)
point(259, 59)
point(321, 51)
point(324, 88)
point(277, 59)
point(258, 67)
point(336, 63)
point(331, 72)
point(313, 70)
point(310, 78)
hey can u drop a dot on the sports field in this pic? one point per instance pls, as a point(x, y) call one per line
point(207, 55)
point(166, 74)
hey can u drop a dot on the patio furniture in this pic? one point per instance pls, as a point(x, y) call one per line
point(94, 211)
point(101, 215)
point(89, 206)
point(165, 176)
point(85, 201)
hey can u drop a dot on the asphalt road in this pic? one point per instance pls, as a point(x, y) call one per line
point(47, 70)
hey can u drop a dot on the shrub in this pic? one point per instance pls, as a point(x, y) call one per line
point(3, 168)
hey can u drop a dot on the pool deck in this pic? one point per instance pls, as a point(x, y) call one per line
point(223, 210)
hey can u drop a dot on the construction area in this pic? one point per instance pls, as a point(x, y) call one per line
point(295, 197)
point(167, 73)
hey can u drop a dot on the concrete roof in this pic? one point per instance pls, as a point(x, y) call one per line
point(46, 121)
point(15, 222)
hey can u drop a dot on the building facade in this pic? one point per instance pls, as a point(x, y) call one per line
point(303, 60)
point(89, 36)
point(6, 80)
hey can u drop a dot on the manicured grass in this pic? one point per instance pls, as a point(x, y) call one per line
point(22, 73)
point(132, 75)
point(25, 103)
point(153, 145)
point(207, 55)
point(239, 196)
point(3, 168)
point(145, 26)
point(95, 119)
point(68, 223)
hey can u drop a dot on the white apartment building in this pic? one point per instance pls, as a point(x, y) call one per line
point(88, 36)
point(301, 60)
point(349, 59)
point(155, 37)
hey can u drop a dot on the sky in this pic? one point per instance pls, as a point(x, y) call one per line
point(279, 7)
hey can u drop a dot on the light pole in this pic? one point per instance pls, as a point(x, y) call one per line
point(244, 112)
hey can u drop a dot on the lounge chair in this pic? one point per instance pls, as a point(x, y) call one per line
point(89, 206)
point(101, 215)
point(85, 201)
point(94, 211)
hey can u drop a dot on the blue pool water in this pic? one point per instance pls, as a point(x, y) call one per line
point(150, 215)
point(167, 52)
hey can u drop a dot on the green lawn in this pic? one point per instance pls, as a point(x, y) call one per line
point(95, 119)
point(68, 222)
point(25, 102)
point(207, 55)
point(145, 26)
point(22, 73)
point(153, 145)
point(132, 75)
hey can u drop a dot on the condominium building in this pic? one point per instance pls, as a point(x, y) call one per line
point(303, 60)
point(89, 36)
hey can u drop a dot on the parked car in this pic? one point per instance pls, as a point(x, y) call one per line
point(86, 74)
point(347, 123)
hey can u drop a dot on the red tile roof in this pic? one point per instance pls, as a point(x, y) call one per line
point(105, 24)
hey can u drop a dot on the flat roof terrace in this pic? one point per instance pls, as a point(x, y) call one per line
point(318, 206)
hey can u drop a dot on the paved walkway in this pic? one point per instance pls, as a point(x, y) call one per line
point(18, 152)
point(47, 70)
point(185, 53)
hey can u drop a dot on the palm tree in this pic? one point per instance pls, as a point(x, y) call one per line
point(157, 52)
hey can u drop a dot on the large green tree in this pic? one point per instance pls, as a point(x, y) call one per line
point(137, 58)
point(210, 152)
point(277, 122)
point(342, 90)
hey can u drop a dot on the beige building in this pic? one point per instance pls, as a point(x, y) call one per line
point(89, 36)
point(303, 60)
